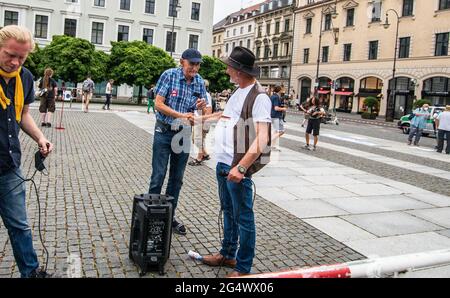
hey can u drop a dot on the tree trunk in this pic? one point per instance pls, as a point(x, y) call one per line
point(139, 101)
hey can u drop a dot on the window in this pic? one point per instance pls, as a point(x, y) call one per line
point(240, 43)
point(215, 39)
point(11, 18)
point(193, 41)
point(234, 32)
point(444, 4)
point(249, 28)
point(248, 43)
point(376, 11)
point(122, 33)
point(308, 26)
point(258, 52)
point(242, 30)
point(373, 50)
point(41, 26)
point(277, 27)
point(125, 4)
point(148, 35)
point(284, 72)
point(286, 49)
point(408, 6)
point(195, 13)
point(227, 46)
point(325, 51)
point(97, 33)
point(327, 25)
point(150, 6)
point(305, 56)
point(70, 27)
point(259, 31)
point(404, 47)
point(173, 8)
point(171, 41)
point(347, 51)
point(350, 17)
point(266, 51)
point(287, 25)
point(275, 50)
point(268, 29)
point(100, 3)
point(442, 44)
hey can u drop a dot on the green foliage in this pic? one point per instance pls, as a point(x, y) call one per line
point(213, 70)
point(99, 67)
point(33, 60)
point(420, 102)
point(137, 63)
point(370, 102)
point(72, 59)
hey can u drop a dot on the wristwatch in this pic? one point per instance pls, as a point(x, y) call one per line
point(241, 169)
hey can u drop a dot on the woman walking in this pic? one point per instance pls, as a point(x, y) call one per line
point(49, 89)
point(315, 112)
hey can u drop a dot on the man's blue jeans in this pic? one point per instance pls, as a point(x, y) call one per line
point(414, 130)
point(14, 215)
point(236, 201)
point(168, 144)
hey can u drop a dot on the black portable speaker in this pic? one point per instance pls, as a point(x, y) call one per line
point(151, 232)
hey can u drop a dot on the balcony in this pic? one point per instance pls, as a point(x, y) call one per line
point(277, 59)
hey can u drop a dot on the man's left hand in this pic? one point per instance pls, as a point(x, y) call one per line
point(45, 147)
point(201, 104)
point(235, 176)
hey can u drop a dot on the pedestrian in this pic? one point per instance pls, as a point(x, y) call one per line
point(49, 89)
point(443, 124)
point(435, 125)
point(108, 92)
point(200, 130)
point(151, 98)
point(283, 103)
point(88, 89)
point(242, 146)
point(304, 107)
point(315, 112)
point(179, 92)
point(418, 123)
point(277, 116)
point(16, 94)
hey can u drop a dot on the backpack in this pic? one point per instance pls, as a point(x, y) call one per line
point(86, 86)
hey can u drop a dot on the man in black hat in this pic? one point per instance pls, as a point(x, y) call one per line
point(242, 147)
point(179, 92)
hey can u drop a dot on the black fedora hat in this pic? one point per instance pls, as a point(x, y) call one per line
point(242, 59)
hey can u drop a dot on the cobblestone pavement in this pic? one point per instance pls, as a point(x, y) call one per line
point(100, 161)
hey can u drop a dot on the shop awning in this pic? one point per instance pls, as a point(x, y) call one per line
point(324, 91)
point(343, 93)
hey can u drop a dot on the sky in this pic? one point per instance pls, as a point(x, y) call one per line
point(223, 8)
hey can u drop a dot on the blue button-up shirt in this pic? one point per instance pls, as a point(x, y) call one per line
point(10, 153)
point(179, 95)
point(420, 118)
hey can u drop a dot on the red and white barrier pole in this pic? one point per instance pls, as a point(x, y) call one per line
point(366, 268)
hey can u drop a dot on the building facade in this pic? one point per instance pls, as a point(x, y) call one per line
point(218, 45)
point(356, 53)
point(240, 29)
point(273, 42)
point(103, 21)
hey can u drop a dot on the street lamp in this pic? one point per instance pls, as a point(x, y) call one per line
point(334, 15)
point(390, 105)
point(175, 8)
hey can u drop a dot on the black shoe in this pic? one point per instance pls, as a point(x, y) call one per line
point(49, 124)
point(178, 228)
point(43, 124)
point(40, 273)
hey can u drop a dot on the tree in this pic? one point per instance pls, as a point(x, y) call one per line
point(71, 59)
point(420, 102)
point(370, 102)
point(33, 61)
point(138, 63)
point(214, 71)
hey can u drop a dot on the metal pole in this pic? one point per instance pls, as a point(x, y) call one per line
point(390, 109)
point(292, 47)
point(175, 4)
point(316, 86)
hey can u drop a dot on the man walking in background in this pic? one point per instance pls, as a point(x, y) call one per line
point(418, 123)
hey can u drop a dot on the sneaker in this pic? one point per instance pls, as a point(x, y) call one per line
point(178, 228)
point(49, 124)
point(40, 273)
point(43, 124)
point(314, 148)
point(409, 142)
point(306, 147)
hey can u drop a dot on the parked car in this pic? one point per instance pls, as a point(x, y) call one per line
point(404, 123)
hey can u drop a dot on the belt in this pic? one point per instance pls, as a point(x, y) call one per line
point(169, 127)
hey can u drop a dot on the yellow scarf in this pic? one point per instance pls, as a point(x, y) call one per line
point(19, 98)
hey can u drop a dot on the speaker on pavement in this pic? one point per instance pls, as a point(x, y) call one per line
point(151, 232)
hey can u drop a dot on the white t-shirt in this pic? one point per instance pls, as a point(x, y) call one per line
point(444, 121)
point(224, 133)
point(108, 88)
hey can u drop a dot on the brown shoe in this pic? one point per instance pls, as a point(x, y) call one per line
point(236, 274)
point(218, 260)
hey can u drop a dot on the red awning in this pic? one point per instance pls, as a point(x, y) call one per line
point(343, 93)
point(324, 91)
